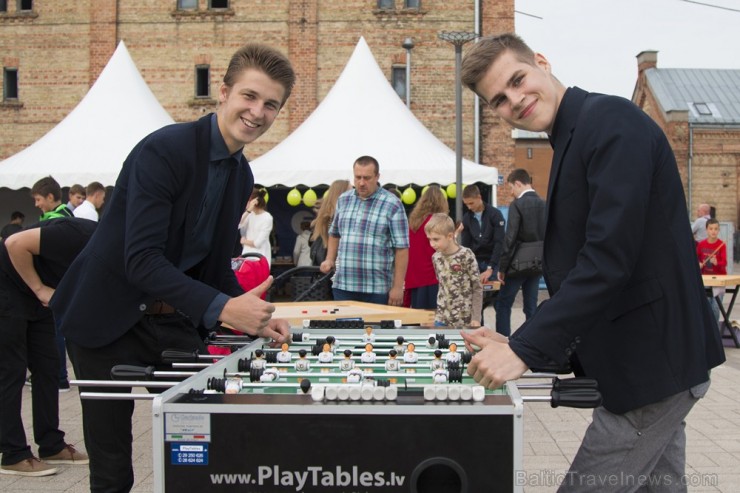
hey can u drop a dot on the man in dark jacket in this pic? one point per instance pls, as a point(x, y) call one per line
point(627, 304)
point(526, 224)
point(483, 232)
point(158, 271)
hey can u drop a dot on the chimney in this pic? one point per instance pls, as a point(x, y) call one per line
point(645, 60)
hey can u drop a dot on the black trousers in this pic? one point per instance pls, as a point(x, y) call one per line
point(27, 341)
point(107, 423)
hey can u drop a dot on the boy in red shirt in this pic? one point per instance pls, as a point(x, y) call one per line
point(712, 254)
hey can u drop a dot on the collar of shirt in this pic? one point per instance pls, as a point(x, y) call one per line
point(219, 151)
point(369, 197)
point(522, 194)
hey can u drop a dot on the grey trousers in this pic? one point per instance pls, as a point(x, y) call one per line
point(641, 450)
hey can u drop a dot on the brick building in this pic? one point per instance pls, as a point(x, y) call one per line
point(52, 51)
point(699, 110)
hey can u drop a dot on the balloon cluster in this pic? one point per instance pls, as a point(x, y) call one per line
point(309, 198)
point(408, 196)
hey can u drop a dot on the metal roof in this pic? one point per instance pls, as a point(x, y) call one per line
point(709, 95)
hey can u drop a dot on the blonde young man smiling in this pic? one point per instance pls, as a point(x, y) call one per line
point(158, 272)
point(627, 305)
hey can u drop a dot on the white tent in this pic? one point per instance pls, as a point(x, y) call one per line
point(91, 143)
point(363, 115)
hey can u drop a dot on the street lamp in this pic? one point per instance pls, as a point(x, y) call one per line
point(408, 45)
point(458, 39)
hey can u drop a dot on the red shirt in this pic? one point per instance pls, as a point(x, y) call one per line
point(704, 250)
point(420, 271)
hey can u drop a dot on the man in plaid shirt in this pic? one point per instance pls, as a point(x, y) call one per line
point(368, 241)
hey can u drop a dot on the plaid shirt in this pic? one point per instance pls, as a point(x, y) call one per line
point(369, 232)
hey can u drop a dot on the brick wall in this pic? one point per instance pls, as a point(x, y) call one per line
point(61, 49)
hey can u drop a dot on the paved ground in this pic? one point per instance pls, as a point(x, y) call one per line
point(551, 439)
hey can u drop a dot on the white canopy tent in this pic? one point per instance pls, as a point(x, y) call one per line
point(363, 115)
point(91, 143)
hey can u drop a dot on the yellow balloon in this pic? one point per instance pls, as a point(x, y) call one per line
point(309, 198)
point(267, 196)
point(452, 190)
point(443, 192)
point(424, 190)
point(294, 197)
point(408, 196)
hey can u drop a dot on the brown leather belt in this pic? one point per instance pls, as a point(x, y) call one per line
point(159, 308)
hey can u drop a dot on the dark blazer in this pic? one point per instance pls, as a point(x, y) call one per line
point(132, 258)
point(486, 241)
point(627, 305)
point(526, 223)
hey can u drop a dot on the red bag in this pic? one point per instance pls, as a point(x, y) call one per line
point(251, 271)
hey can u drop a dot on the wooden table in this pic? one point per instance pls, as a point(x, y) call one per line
point(731, 283)
point(297, 312)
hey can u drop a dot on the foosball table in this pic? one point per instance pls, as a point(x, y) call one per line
point(367, 408)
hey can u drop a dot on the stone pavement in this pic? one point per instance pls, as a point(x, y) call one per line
point(551, 438)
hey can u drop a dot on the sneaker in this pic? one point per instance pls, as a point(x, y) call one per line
point(28, 381)
point(64, 386)
point(29, 467)
point(68, 455)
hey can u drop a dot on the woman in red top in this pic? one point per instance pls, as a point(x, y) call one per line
point(421, 282)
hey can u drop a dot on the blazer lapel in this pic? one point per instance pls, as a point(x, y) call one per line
point(202, 150)
point(565, 124)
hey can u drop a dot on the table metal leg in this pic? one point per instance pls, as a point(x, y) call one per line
point(727, 324)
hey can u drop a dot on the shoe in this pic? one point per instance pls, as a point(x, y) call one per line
point(28, 381)
point(64, 386)
point(68, 455)
point(29, 467)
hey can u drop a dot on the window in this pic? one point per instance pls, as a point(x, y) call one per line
point(398, 80)
point(10, 84)
point(411, 4)
point(25, 5)
point(202, 81)
point(703, 109)
point(219, 4)
point(386, 4)
point(530, 153)
point(3, 5)
point(187, 4)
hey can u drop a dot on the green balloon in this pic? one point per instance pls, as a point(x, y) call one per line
point(408, 196)
point(309, 198)
point(294, 197)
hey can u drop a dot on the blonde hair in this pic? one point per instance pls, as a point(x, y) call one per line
point(441, 224)
point(326, 211)
point(431, 201)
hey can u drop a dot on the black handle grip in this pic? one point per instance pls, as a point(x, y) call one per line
point(179, 356)
point(131, 372)
point(583, 383)
point(578, 398)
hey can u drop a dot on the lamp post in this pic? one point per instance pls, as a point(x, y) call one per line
point(458, 39)
point(408, 45)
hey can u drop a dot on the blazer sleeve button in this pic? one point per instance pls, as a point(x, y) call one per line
point(142, 307)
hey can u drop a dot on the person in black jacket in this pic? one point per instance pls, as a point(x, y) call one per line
point(627, 305)
point(526, 223)
point(32, 262)
point(483, 232)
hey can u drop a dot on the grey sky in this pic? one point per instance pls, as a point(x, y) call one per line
point(593, 43)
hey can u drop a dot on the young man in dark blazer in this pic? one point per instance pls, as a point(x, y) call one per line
point(157, 273)
point(627, 305)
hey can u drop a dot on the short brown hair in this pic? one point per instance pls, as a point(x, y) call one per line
point(46, 186)
point(76, 189)
point(440, 223)
point(265, 58)
point(367, 160)
point(471, 191)
point(521, 175)
point(94, 187)
point(486, 51)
